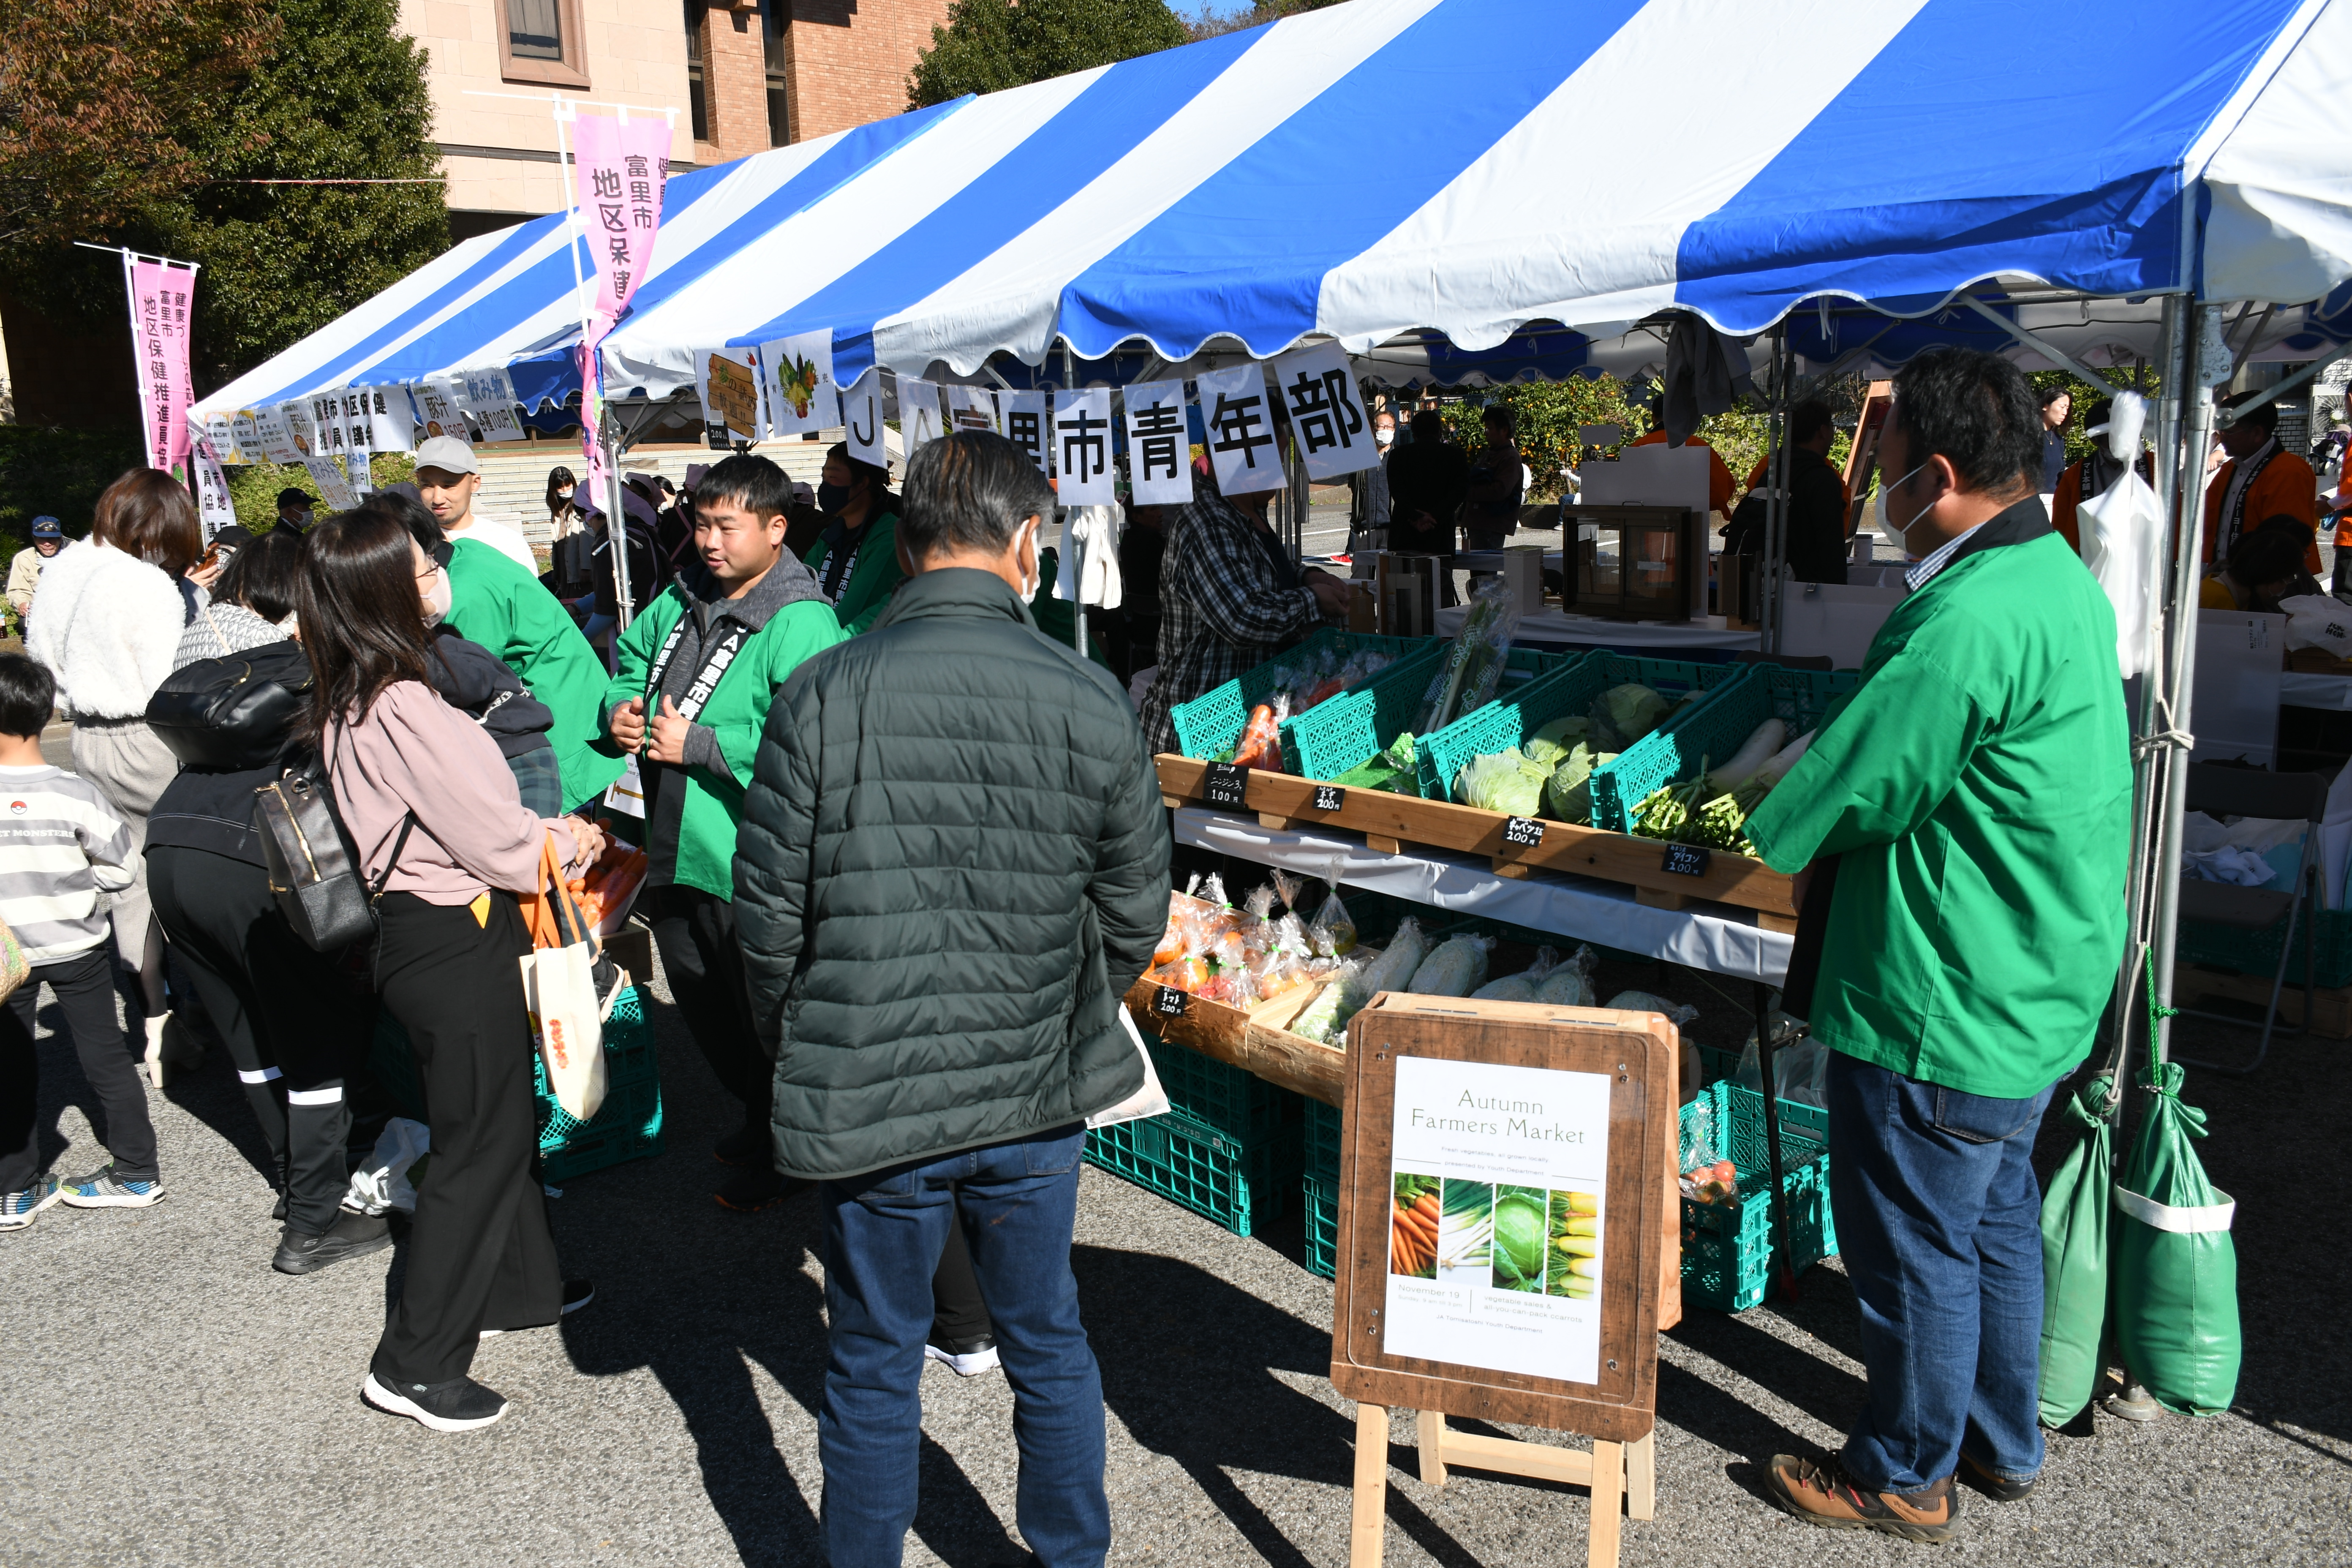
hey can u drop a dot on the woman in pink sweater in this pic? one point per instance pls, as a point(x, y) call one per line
point(422, 788)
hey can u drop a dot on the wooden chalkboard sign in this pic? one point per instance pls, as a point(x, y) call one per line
point(1502, 1242)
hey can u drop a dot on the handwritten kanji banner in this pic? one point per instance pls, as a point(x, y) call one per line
point(1159, 459)
point(622, 166)
point(214, 506)
point(1326, 413)
point(1240, 426)
point(437, 411)
point(488, 396)
point(1081, 449)
point(159, 326)
point(391, 421)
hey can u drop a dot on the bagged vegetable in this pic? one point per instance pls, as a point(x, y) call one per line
point(1643, 1002)
point(1519, 987)
point(1333, 930)
point(1569, 984)
point(1405, 952)
point(1261, 742)
point(1320, 1019)
point(1456, 967)
point(1503, 780)
point(1472, 671)
point(2176, 1268)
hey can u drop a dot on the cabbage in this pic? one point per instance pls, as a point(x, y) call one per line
point(1568, 793)
point(1633, 710)
point(1549, 745)
point(1509, 988)
point(1503, 780)
point(1400, 752)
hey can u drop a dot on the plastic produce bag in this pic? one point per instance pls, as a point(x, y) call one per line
point(2074, 1260)
point(1333, 930)
point(2175, 1267)
point(1570, 984)
point(1148, 1100)
point(383, 1182)
point(2123, 533)
point(1472, 670)
point(1680, 1017)
point(1455, 968)
point(1519, 987)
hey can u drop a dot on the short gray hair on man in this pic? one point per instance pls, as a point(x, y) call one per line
point(970, 491)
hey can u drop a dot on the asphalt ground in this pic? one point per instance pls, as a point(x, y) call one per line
point(166, 1398)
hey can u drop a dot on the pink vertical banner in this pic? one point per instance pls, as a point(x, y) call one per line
point(621, 168)
point(596, 479)
point(159, 329)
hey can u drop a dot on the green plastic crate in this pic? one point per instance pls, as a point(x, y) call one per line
point(1718, 1064)
point(2257, 951)
point(1566, 691)
point(1322, 1141)
point(628, 1125)
point(1219, 1095)
point(1235, 1184)
point(1346, 730)
point(1214, 720)
point(1713, 731)
point(1321, 1199)
point(1729, 1247)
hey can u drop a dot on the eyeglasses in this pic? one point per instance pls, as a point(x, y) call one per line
point(429, 574)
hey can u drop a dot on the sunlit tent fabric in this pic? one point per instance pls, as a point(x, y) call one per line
point(1472, 167)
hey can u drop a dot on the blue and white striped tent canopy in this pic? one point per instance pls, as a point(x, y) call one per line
point(1443, 178)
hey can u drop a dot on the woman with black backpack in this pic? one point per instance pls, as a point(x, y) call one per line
point(294, 1027)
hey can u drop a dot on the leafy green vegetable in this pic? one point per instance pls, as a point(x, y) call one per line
point(1503, 780)
point(1568, 793)
point(1522, 1226)
point(1550, 745)
point(1623, 714)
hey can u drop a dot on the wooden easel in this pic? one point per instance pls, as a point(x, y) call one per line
point(1613, 1470)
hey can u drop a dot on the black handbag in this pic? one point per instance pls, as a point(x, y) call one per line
point(313, 872)
point(232, 713)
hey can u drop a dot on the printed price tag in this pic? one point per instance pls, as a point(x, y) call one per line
point(1328, 796)
point(1688, 859)
point(1169, 1002)
point(1523, 831)
point(1227, 784)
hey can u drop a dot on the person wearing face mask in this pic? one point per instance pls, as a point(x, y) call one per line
point(1368, 490)
point(294, 512)
point(694, 676)
point(1966, 818)
point(856, 559)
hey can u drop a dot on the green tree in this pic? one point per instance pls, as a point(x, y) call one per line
point(988, 45)
point(340, 97)
point(1208, 22)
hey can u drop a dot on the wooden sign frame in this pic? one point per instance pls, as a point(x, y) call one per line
point(1638, 1052)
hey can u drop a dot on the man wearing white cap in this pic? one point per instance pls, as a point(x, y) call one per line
point(446, 478)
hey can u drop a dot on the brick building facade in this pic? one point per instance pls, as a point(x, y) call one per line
point(777, 72)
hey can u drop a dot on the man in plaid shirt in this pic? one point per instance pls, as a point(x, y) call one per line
point(1230, 599)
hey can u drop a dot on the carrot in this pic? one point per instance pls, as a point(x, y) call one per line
point(1417, 1234)
point(1416, 1217)
point(1427, 1204)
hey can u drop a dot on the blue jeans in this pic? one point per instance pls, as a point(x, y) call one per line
point(1939, 1220)
point(883, 1233)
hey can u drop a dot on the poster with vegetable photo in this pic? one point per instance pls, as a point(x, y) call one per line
point(1465, 1232)
point(1519, 1238)
point(1572, 1254)
point(1412, 1228)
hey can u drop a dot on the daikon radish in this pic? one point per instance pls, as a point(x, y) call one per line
point(1757, 750)
point(1778, 767)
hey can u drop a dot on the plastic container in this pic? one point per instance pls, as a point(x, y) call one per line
point(1713, 731)
point(1221, 1096)
point(1214, 720)
point(2257, 951)
point(1809, 1121)
point(628, 1125)
point(1565, 691)
point(1728, 1247)
point(1346, 730)
point(1321, 1199)
point(1235, 1183)
point(1322, 1142)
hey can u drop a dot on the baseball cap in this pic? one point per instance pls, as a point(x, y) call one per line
point(47, 527)
point(294, 493)
point(447, 454)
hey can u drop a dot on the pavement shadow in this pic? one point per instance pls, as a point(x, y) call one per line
point(1829, 1394)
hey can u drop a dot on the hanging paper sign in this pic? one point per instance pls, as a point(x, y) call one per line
point(248, 436)
point(359, 431)
point(730, 396)
point(272, 436)
point(1327, 412)
point(861, 412)
point(1241, 430)
point(220, 434)
point(360, 468)
point(334, 489)
point(213, 503)
point(797, 381)
point(918, 412)
point(1082, 448)
point(488, 396)
point(325, 413)
point(437, 411)
point(392, 422)
point(1024, 424)
point(620, 167)
point(971, 408)
point(1159, 458)
point(299, 429)
point(159, 326)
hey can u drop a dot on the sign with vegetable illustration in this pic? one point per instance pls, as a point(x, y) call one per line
point(1499, 1174)
point(797, 377)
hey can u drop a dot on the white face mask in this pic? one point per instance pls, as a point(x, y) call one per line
point(436, 598)
point(1384, 434)
point(1902, 531)
point(563, 494)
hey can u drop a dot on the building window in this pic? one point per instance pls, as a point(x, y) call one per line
point(775, 17)
point(698, 105)
point(542, 43)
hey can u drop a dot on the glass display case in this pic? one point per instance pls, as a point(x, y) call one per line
point(1638, 563)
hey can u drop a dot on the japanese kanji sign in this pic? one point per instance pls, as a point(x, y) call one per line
point(488, 396)
point(729, 390)
point(392, 423)
point(796, 378)
point(437, 411)
point(1024, 424)
point(1241, 430)
point(919, 412)
point(1082, 448)
point(271, 435)
point(325, 413)
point(1159, 459)
point(1327, 414)
point(213, 506)
point(158, 329)
point(971, 408)
point(861, 411)
point(334, 489)
point(220, 432)
point(622, 165)
point(296, 417)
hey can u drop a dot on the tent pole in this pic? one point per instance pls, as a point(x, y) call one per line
point(1776, 509)
point(617, 525)
point(2197, 434)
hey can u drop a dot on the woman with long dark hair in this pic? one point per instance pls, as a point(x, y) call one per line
point(431, 806)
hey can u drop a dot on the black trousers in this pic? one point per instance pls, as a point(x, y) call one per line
point(958, 1311)
point(481, 1255)
point(696, 933)
point(84, 983)
point(295, 1030)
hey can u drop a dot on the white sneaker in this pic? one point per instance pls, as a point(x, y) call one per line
point(965, 1358)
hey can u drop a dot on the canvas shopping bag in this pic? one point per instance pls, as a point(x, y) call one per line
point(558, 985)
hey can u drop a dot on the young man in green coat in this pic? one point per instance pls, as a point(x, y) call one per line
point(1966, 815)
point(697, 671)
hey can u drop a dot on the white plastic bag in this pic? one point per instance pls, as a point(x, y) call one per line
point(2320, 621)
point(2123, 536)
point(383, 1182)
point(1150, 1101)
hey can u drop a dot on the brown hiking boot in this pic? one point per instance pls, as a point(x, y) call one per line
point(1821, 1493)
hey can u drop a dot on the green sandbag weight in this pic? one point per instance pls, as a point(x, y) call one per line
point(2074, 1250)
point(2176, 1268)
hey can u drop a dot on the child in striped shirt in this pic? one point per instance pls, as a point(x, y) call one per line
point(60, 846)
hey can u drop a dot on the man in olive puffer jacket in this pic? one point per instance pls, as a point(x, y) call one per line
point(952, 864)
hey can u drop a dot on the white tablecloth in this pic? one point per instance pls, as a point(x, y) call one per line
point(2300, 689)
point(1714, 937)
point(1553, 627)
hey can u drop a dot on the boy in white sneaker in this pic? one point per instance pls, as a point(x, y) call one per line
point(60, 846)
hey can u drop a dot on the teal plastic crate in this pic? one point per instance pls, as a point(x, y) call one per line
point(1236, 1183)
point(1729, 1247)
point(1713, 731)
point(1212, 721)
point(1346, 730)
point(1322, 1141)
point(1219, 1095)
point(1321, 1200)
point(2257, 951)
point(628, 1125)
point(1718, 1064)
point(1565, 691)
